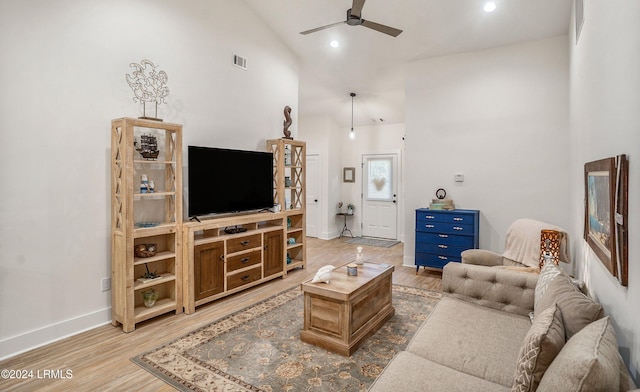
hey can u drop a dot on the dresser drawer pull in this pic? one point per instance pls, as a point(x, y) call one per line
point(244, 243)
point(244, 260)
point(221, 257)
point(458, 228)
point(443, 247)
point(429, 226)
point(442, 258)
point(245, 278)
point(458, 219)
point(443, 236)
point(429, 217)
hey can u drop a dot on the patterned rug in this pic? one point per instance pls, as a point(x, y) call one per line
point(259, 349)
point(372, 242)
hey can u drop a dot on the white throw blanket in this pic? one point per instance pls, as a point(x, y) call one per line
point(523, 242)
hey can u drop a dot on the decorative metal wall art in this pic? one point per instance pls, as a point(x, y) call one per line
point(149, 85)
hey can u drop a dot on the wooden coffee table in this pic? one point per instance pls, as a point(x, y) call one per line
point(340, 315)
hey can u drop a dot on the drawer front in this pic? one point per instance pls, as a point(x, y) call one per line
point(440, 249)
point(434, 261)
point(243, 243)
point(464, 241)
point(424, 216)
point(244, 277)
point(243, 260)
point(446, 228)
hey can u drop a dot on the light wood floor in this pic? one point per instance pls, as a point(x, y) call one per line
point(99, 358)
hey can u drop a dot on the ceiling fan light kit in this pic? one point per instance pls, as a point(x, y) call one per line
point(354, 18)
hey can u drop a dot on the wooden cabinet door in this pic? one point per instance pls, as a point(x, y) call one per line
point(208, 269)
point(273, 254)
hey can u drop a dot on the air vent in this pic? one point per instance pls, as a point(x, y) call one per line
point(239, 61)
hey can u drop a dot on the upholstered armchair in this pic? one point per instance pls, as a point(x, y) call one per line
point(522, 247)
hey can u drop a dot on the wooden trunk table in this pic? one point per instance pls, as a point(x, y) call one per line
point(340, 315)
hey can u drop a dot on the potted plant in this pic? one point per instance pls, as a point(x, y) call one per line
point(350, 209)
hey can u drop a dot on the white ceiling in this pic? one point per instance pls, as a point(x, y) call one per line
point(371, 64)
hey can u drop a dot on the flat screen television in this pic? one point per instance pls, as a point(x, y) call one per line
point(226, 180)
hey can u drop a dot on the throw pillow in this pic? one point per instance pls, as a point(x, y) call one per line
point(588, 362)
point(540, 346)
point(577, 309)
point(547, 273)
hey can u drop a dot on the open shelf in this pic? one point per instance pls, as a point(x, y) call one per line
point(162, 305)
point(138, 285)
point(160, 256)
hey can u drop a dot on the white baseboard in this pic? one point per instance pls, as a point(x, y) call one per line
point(19, 344)
point(409, 261)
point(329, 235)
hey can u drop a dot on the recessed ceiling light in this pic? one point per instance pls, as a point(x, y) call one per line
point(334, 44)
point(490, 6)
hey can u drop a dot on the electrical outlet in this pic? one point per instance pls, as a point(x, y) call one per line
point(105, 284)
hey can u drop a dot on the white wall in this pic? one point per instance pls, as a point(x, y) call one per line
point(605, 122)
point(326, 138)
point(500, 117)
point(320, 133)
point(371, 139)
point(63, 80)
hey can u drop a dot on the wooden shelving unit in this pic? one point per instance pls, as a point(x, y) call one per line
point(145, 218)
point(289, 178)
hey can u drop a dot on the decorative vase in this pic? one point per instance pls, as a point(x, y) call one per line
point(150, 296)
point(359, 256)
point(549, 246)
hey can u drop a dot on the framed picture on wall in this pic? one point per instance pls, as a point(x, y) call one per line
point(349, 174)
point(606, 213)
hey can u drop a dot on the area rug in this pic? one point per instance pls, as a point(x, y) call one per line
point(372, 242)
point(259, 349)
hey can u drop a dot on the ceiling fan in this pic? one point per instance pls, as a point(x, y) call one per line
point(354, 18)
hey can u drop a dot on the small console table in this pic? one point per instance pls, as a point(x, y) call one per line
point(345, 228)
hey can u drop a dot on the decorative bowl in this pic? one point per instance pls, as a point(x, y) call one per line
point(145, 250)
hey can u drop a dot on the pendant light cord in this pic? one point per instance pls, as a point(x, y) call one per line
point(352, 95)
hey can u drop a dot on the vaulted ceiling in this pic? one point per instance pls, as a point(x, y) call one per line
point(371, 64)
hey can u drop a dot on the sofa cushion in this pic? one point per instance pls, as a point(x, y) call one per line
point(548, 272)
point(577, 309)
point(588, 362)
point(541, 345)
point(408, 372)
point(473, 339)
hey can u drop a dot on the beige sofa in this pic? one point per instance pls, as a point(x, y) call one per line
point(480, 337)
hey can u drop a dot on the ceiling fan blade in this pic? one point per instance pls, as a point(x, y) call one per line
point(356, 7)
point(321, 28)
point(381, 28)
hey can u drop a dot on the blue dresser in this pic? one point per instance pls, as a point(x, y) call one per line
point(442, 235)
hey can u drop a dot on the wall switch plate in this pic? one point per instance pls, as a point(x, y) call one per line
point(105, 284)
point(459, 177)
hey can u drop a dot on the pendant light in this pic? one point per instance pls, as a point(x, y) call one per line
point(352, 134)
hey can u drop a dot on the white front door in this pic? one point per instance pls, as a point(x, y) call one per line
point(379, 195)
point(313, 192)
